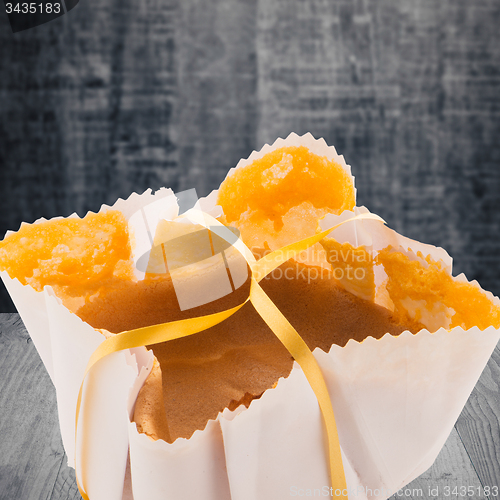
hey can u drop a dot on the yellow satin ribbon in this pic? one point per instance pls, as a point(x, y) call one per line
point(270, 314)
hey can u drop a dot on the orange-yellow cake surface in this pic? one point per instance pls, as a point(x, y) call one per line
point(352, 267)
point(282, 179)
point(280, 197)
point(429, 286)
point(77, 256)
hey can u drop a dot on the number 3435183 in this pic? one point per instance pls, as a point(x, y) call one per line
point(33, 8)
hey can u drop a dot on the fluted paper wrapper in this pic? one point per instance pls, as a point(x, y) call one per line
point(65, 344)
point(396, 399)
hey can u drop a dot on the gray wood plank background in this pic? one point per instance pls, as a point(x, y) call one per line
point(118, 96)
point(33, 462)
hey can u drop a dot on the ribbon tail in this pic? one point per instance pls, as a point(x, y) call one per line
point(304, 357)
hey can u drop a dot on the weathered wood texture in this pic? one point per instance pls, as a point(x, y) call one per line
point(32, 459)
point(452, 468)
point(479, 424)
point(119, 96)
point(33, 463)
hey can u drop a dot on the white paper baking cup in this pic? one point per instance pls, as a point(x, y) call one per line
point(396, 399)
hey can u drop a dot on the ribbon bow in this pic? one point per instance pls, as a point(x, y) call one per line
point(279, 325)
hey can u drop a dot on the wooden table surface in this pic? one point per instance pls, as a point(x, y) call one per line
point(33, 462)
